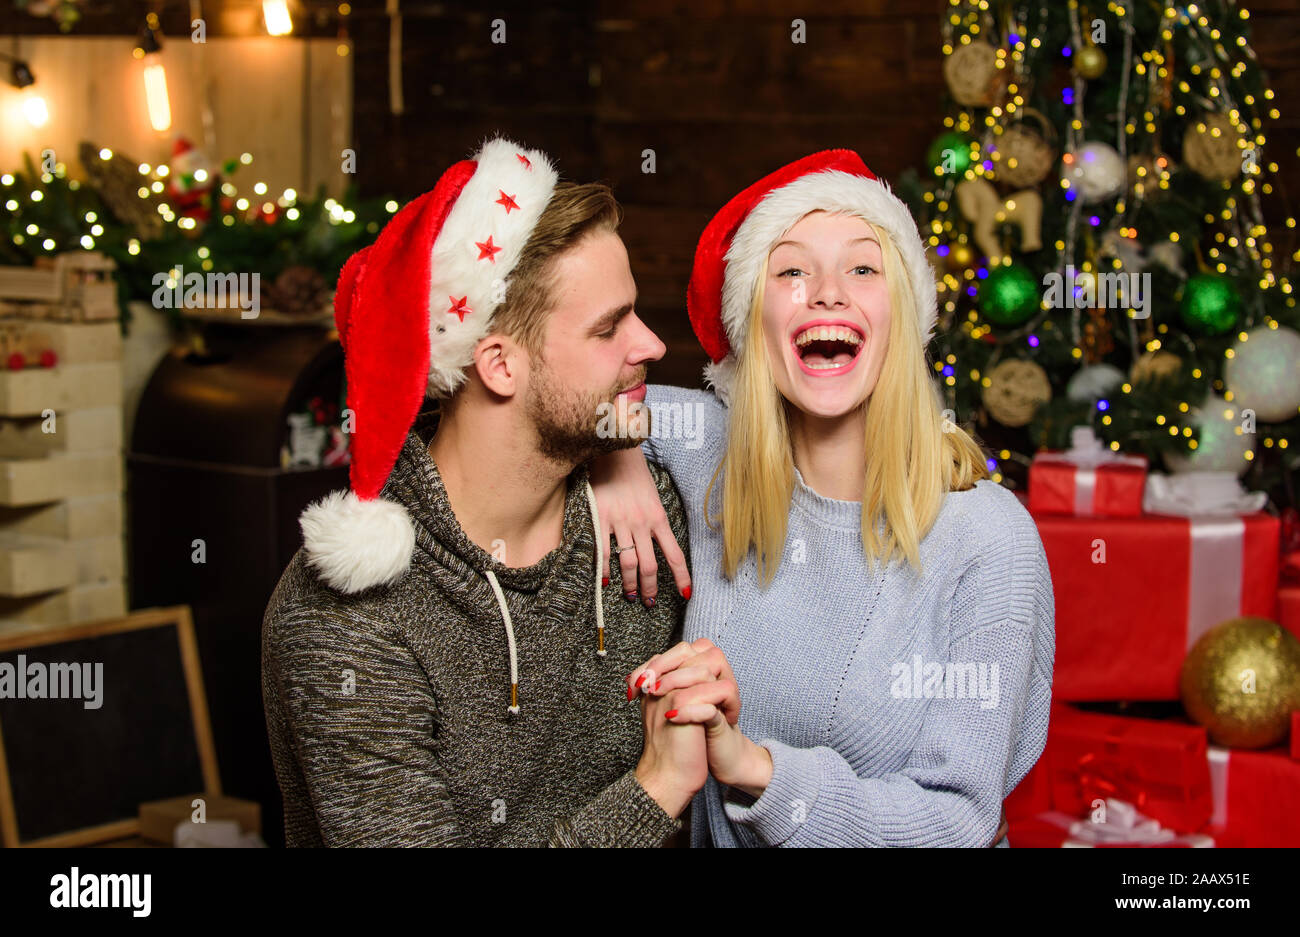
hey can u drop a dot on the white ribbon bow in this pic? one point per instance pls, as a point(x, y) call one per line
point(1192, 493)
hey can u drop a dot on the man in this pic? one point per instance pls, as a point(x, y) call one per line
point(444, 661)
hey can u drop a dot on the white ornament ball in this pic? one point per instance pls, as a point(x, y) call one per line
point(1169, 255)
point(1264, 373)
point(1223, 443)
point(1095, 172)
point(1090, 384)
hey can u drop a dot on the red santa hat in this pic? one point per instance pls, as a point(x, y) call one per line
point(736, 243)
point(409, 310)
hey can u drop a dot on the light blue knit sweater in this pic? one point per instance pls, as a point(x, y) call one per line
point(899, 710)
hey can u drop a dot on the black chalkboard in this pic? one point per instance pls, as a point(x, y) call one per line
point(77, 772)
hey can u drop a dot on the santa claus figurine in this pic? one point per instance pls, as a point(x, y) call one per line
point(191, 178)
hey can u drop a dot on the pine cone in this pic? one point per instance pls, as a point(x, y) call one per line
point(298, 291)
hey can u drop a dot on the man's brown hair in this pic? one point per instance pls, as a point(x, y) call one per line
point(574, 211)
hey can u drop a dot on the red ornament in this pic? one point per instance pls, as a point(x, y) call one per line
point(48, 358)
point(524, 159)
point(487, 250)
point(16, 361)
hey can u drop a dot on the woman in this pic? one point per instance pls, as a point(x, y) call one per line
point(885, 608)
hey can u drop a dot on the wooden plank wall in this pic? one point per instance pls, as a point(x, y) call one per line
point(715, 87)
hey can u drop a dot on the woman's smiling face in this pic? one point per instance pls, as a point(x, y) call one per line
point(826, 313)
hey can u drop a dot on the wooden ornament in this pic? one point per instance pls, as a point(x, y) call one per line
point(1155, 365)
point(1026, 157)
point(1212, 148)
point(972, 74)
point(1016, 390)
point(980, 204)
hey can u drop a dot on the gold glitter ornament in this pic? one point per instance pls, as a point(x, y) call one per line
point(1090, 62)
point(1241, 681)
point(960, 257)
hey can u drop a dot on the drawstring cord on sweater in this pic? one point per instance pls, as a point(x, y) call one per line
point(510, 639)
point(505, 610)
point(600, 605)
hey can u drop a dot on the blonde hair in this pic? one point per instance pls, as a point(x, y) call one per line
point(913, 456)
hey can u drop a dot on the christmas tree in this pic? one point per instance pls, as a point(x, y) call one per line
point(1095, 215)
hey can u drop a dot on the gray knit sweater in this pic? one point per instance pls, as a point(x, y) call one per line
point(899, 709)
point(388, 710)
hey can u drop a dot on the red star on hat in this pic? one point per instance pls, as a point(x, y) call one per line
point(507, 200)
point(486, 250)
point(458, 307)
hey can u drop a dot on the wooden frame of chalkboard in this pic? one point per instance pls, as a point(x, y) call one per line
point(148, 738)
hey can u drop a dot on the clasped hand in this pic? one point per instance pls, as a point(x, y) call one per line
point(690, 708)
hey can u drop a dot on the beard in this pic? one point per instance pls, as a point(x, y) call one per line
point(568, 421)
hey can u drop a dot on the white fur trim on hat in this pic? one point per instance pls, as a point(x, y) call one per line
point(355, 544)
point(721, 376)
point(477, 249)
point(829, 190)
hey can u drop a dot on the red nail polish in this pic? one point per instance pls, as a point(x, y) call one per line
point(631, 694)
point(605, 581)
point(657, 682)
point(670, 714)
point(640, 680)
point(686, 593)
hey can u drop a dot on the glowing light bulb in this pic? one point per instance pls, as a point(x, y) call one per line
point(276, 15)
point(155, 90)
point(35, 109)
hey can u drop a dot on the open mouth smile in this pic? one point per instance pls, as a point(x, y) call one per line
point(827, 347)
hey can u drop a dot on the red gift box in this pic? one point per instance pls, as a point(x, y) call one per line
point(1159, 767)
point(1288, 609)
point(1124, 626)
point(1256, 798)
point(1240, 798)
point(1058, 485)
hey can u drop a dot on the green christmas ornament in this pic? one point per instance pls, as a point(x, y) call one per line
point(950, 153)
point(1210, 304)
point(1008, 295)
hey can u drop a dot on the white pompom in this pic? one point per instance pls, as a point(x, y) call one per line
point(357, 544)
